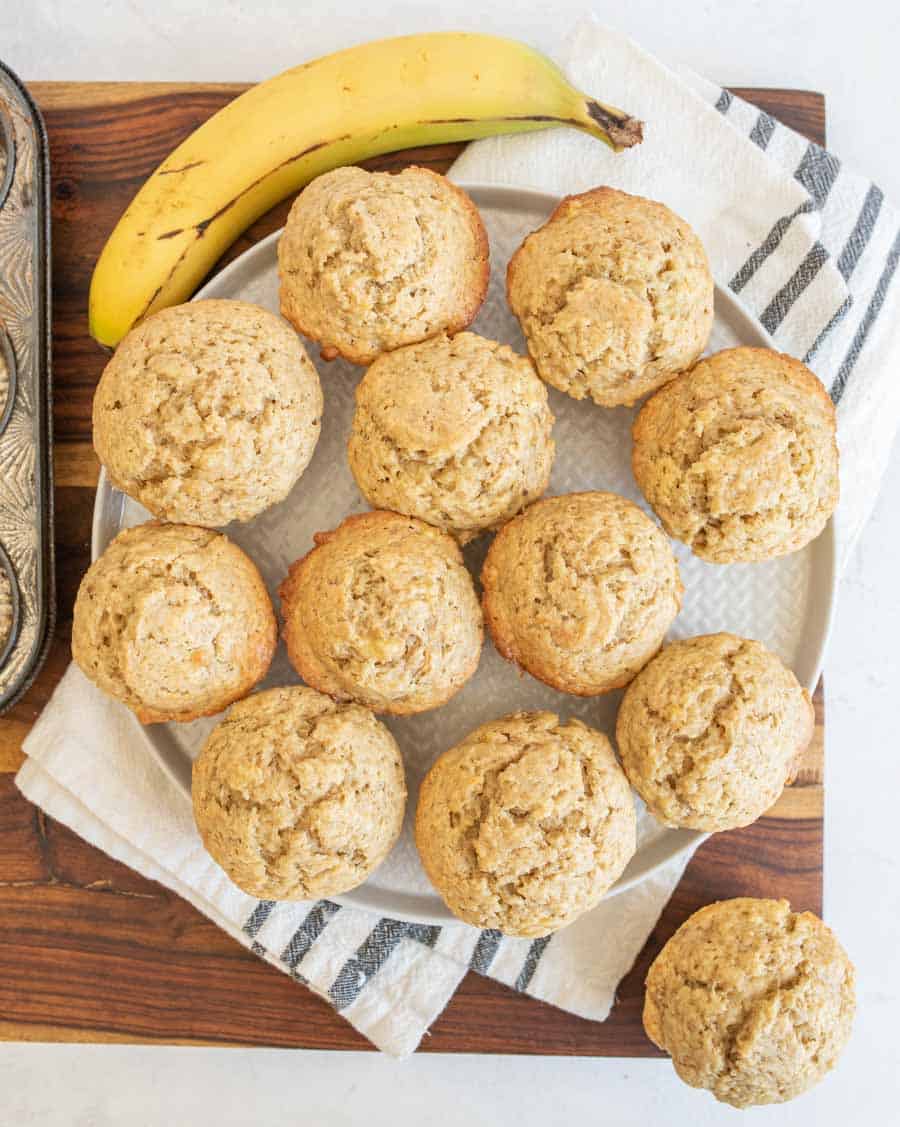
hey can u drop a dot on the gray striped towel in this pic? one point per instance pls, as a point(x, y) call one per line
point(811, 249)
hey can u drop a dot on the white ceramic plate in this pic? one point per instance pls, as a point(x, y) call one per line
point(785, 603)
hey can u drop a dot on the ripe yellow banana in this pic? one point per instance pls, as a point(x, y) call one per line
point(279, 135)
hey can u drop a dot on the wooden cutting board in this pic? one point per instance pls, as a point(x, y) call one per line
point(90, 951)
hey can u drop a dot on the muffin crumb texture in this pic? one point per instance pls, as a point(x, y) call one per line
point(580, 590)
point(370, 261)
point(455, 431)
point(614, 295)
point(525, 825)
point(174, 621)
point(208, 412)
point(738, 457)
point(752, 1001)
point(709, 730)
point(297, 796)
point(383, 611)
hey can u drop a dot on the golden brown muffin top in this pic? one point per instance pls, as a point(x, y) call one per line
point(709, 730)
point(753, 1001)
point(383, 611)
point(208, 412)
point(455, 431)
point(297, 796)
point(174, 621)
point(738, 456)
point(370, 261)
point(580, 590)
point(614, 295)
point(525, 824)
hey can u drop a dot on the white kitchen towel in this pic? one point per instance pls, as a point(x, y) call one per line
point(811, 249)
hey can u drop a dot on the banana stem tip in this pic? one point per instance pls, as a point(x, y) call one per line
point(622, 130)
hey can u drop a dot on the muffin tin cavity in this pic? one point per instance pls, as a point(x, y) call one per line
point(7, 153)
point(7, 378)
point(9, 608)
point(26, 518)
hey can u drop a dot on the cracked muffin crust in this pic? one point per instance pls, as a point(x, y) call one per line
point(752, 1001)
point(738, 457)
point(382, 611)
point(370, 261)
point(455, 431)
point(298, 797)
point(208, 412)
point(174, 621)
point(614, 295)
point(580, 590)
point(524, 825)
point(709, 730)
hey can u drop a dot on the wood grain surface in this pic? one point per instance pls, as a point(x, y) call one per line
point(89, 950)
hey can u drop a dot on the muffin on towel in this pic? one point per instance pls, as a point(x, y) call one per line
point(174, 621)
point(709, 731)
point(208, 412)
point(455, 431)
point(580, 590)
point(524, 825)
point(382, 611)
point(370, 261)
point(752, 1001)
point(614, 296)
point(738, 457)
point(298, 797)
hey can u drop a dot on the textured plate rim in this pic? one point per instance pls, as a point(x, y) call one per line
point(669, 847)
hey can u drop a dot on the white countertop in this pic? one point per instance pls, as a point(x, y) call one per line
point(850, 53)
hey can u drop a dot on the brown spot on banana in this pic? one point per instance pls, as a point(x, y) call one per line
point(162, 285)
point(184, 168)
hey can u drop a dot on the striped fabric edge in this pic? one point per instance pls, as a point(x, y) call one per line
point(817, 172)
point(384, 937)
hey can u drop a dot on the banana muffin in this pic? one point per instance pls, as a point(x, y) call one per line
point(455, 431)
point(614, 295)
point(524, 825)
point(370, 261)
point(208, 412)
point(752, 1001)
point(382, 611)
point(709, 731)
point(174, 621)
point(738, 457)
point(580, 590)
point(298, 797)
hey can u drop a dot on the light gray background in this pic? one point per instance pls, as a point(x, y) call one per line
point(849, 51)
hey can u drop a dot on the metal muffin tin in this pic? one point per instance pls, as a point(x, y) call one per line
point(26, 471)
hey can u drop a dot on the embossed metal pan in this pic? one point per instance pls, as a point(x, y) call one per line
point(26, 473)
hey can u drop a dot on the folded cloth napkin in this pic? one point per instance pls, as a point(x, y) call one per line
point(811, 249)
